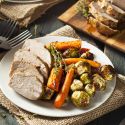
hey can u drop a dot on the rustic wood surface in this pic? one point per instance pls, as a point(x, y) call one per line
point(74, 18)
point(48, 23)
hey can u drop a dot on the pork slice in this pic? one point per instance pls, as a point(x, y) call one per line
point(28, 68)
point(101, 16)
point(39, 50)
point(103, 29)
point(119, 3)
point(27, 85)
point(113, 10)
point(27, 56)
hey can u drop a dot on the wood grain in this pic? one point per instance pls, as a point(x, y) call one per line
point(74, 18)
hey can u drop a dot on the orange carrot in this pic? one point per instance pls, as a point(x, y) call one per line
point(65, 45)
point(60, 99)
point(75, 60)
point(55, 78)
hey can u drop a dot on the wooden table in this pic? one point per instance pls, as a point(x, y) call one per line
point(48, 23)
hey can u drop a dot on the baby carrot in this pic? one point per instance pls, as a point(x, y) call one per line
point(75, 60)
point(55, 78)
point(60, 99)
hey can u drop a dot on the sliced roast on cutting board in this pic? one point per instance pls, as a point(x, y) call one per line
point(28, 83)
point(119, 3)
point(39, 50)
point(113, 10)
point(27, 56)
point(103, 29)
point(101, 16)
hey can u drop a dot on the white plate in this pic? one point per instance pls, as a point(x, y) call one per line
point(47, 108)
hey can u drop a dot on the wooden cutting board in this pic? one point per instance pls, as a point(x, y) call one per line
point(74, 18)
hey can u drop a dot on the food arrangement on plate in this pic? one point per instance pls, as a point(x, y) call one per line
point(108, 16)
point(58, 71)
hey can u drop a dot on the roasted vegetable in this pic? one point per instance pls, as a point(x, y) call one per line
point(75, 60)
point(99, 82)
point(48, 93)
point(55, 78)
point(82, 67)
point(70, 66)
point(71, 53)
point(65, 45)
point(85, 78)
point(76, 85)
point(63, 94)
point(107, 72)
point(87, 55)
point(90, 89)
point(83, 50)
point(80, 99)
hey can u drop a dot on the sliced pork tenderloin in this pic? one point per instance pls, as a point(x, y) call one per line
point(39, 50)
point(28, 68)
point(27, 83)
point(28, 57)
point(119, 3)
point(103, 29)
point(98, 13)
point(113, 10)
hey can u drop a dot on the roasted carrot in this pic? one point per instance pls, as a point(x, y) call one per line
point(65, 45)
point(55, 78)
point(60, 99)
point(75, 60)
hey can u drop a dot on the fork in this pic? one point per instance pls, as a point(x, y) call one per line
point(28, 1)
point(8, 30)
point(19, 39)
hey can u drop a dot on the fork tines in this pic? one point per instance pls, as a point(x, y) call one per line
point(19, 39)
point(9, 29)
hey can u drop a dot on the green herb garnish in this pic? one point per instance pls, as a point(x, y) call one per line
point(58, 59)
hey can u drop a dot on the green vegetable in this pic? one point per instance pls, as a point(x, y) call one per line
point(76, 85)
point(82, 67)
point(99, 82)
point(107, 72)
point(83, 8)
point(71, 53)
point(90, 89)
point(85, 78)
point(48, 93)
point(80, 99)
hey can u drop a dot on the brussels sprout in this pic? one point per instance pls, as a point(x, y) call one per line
point(85, 78)
point(107, 72)
point(82, 67)
point(48, 93)
point(87, 55)
point(80, 99)
point(90, 89)
point(99, 82)
point(76, 85)
point(71, 53)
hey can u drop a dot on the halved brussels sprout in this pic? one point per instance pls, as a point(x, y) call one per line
point(48, 93)
point(80, 99)
point(99, 82)
point(85, 78)
point(107, 72)
point(82, 67)
point(76, 85)
point(87, 55)
point(71, 53)
point(90, 89)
